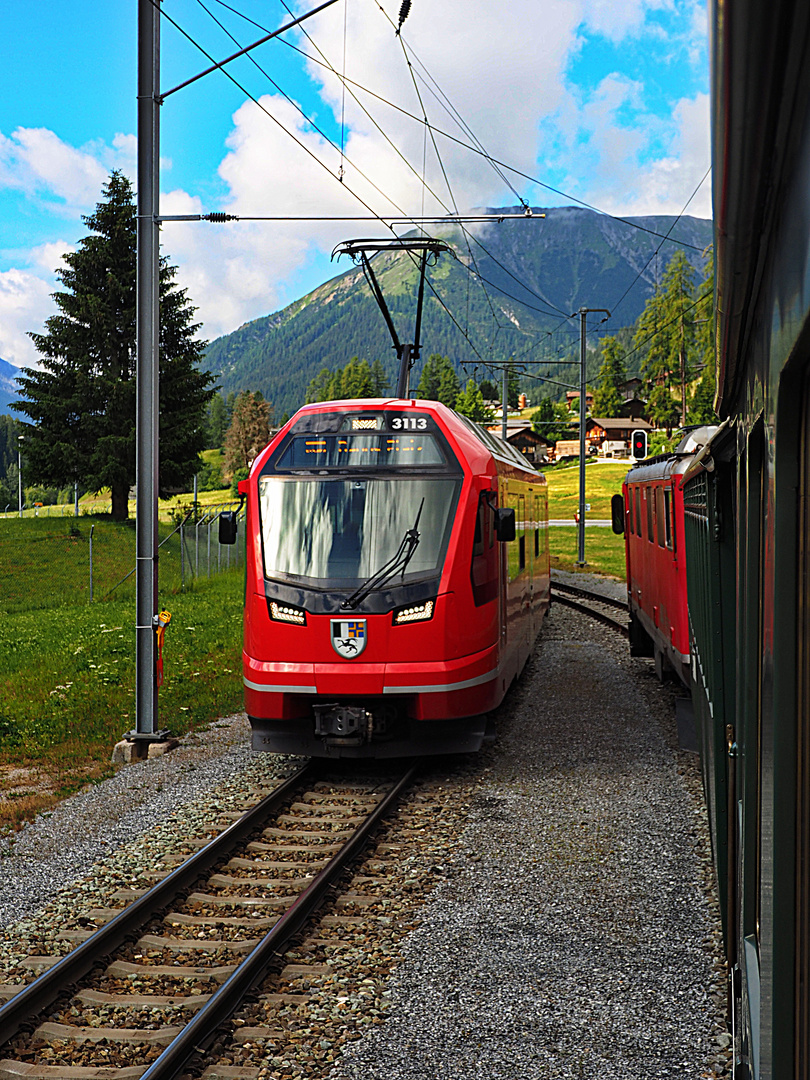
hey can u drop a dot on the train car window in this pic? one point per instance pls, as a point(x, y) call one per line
point(659, 517)
point(536, 524)
point(336, 531)
point(637, 500)
point(478, 538)
point(484, 566)
point(521, 524)
point(648, 498)
point(668, 522)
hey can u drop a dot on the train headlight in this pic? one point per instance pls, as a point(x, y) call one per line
point(414, 613)
point(285, 613)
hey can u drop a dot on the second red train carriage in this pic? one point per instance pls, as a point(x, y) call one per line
point(653, 520)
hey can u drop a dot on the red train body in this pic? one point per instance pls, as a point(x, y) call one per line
point(656, 557)
point(383, 616)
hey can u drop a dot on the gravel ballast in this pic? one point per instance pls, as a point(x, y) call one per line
point(576, 933)
point(579, 935)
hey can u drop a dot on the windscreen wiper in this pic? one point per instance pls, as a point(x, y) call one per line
point(398, 563)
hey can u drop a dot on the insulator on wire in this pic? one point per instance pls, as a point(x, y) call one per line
point(404, 11)
point(218, 218)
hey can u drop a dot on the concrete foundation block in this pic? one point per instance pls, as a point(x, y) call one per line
point(128, 750)
point(158, 749)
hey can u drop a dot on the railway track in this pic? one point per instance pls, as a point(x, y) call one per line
point(178, 961)
point(591, 604)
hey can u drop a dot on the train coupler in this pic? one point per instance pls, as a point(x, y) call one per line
point(350, 725)
point(343, 725)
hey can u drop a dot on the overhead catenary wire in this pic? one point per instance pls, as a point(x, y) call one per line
point(427, 125)
point(455, 219)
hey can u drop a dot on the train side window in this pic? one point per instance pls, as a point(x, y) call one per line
point(536, 526)
point(670, 534)
point(648, 498)
point(521, 533)
point(484, 563)
point(659, 517)
point(639, 530)
point(631, 517)
point(480, 525)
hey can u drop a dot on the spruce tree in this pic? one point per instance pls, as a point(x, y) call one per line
point(470, 403)
point(607, 400)
point(82, 402)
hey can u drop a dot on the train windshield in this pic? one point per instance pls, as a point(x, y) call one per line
point(336, 532)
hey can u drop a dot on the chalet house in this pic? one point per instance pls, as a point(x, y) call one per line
point(572, 400)
point(525, 439)
point(611, 437)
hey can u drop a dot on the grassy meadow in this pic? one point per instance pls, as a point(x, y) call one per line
point(68, 675)
point(604, 551)
point(67, 665)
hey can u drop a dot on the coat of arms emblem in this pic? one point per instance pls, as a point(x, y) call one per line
point(348, 637)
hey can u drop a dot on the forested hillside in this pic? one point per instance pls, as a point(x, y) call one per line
point(537, 271)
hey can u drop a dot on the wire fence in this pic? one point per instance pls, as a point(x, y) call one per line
point(52, 562)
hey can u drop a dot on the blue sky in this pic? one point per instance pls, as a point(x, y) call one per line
point(606, 100)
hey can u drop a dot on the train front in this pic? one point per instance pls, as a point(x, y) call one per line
point(353, 645)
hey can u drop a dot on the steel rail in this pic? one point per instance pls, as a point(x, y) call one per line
point(41, 993)
point(585, 594)
point(201, 1031)
point(600, 616)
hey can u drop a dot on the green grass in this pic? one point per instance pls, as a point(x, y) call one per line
point(604, 551)
point(68, 678)
point(603, 479)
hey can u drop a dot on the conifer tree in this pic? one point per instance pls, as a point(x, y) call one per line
point(701, 409)
point(439, 381)
point(249, 432)
point(470, 403)
point(607, 400)
point(82, 402)
point(550, 419)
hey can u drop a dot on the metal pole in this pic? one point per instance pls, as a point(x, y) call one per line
point(583, 314)
point(19, 473)
point(91, 563)
point(146, 467)
point(504, 401)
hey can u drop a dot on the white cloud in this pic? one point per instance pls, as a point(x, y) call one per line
point(25, 304)
point(50, 257)
point(505, 69)
point(664, 183)
point(40, 164)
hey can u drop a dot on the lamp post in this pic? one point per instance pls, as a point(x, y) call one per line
point(19, 472)
point(583, 315)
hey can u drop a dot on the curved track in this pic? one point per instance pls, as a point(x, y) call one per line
point(592, 605)
point(321, 829)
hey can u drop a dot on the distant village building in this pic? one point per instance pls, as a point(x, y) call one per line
point(525, 439)
point(610, 437)
point(634, 406)
point(572, 400)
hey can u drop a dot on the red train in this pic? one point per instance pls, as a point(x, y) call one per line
point(397, 576)
point(651, 515)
